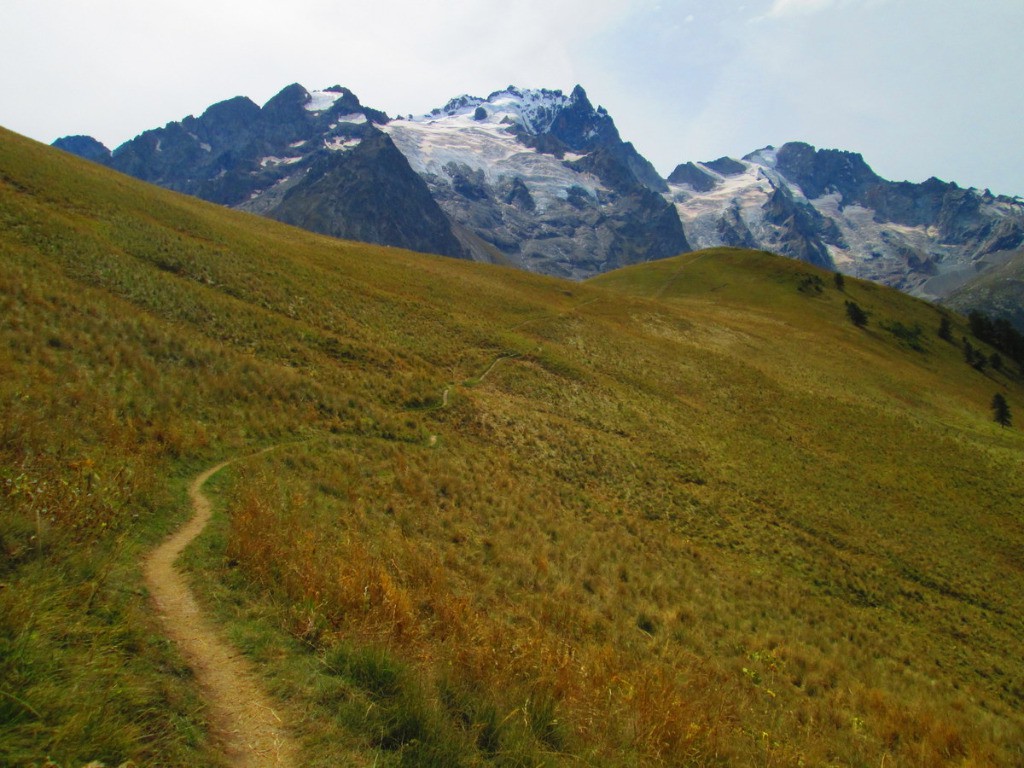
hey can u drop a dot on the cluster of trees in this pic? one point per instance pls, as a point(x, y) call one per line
point(945, 329)
point(979, 360)
point(999, 334)
point(996, 333)
point(811, 284)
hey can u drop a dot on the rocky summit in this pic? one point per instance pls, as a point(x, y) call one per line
point(317, 160)
point(542, 180)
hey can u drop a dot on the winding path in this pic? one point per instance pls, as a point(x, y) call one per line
point(245, 726)
point(497, 360)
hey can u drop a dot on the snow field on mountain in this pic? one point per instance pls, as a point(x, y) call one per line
point(431, 143)
point(341, 143)
point(534, 109)
point(271, 160)
point(357, 118)
point(700, 212)
point(321, 101)
point(872, 249)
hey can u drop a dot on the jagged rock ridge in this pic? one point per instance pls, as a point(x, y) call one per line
point(315, 159)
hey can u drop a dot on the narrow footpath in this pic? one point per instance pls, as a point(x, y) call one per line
point(245, 725)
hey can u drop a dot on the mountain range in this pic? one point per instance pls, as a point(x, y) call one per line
point(542, 180)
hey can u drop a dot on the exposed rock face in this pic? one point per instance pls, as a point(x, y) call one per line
point(84, 146)
point(695, 178)
point(726, 166)
point(316, 159)
point(817, 172)
point(354, 195)
point(733, 230)
point(802, 228)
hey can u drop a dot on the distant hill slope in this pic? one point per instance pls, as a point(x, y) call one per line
point(683, 513)
point(997, 292)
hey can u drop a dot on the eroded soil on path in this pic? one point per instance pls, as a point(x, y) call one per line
point(246, 727)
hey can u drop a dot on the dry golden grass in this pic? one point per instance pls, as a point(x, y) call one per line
point(647, 511)
point(683, 514)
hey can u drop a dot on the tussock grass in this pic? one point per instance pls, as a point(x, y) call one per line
point(685, 513)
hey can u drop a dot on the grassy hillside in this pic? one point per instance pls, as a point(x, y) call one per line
point(684, 513)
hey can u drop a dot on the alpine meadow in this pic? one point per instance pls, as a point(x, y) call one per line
point(683, 513)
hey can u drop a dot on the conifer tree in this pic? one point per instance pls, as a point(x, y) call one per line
point(968, 351)
point(945, 329)
point(857, 315)
point(974, 357)
point(1001, 410)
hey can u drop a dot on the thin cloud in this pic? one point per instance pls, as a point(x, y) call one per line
point(797, 7)
point(789, 8)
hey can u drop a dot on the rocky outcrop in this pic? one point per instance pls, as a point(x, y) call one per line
point(84, 146)
point(694, 177)
point(817, 172)
point(367, 193)
point(726, 166)
point(801, 228)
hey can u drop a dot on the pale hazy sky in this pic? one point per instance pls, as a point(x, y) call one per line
point(919, 87)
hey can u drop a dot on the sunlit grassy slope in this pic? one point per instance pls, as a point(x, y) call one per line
point(686, 513)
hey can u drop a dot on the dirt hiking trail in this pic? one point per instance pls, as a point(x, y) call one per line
point(245, 726)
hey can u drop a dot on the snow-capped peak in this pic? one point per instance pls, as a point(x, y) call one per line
point(533, 110)
point(456, 106)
